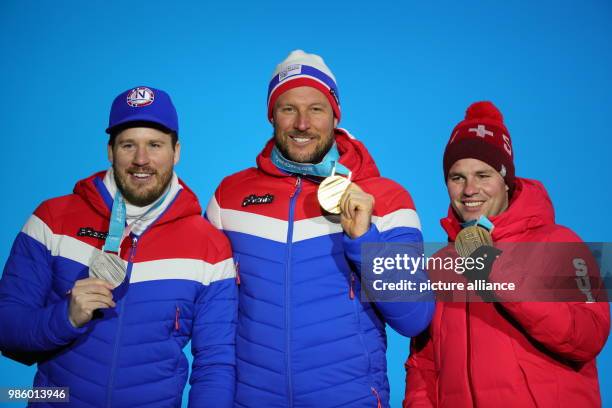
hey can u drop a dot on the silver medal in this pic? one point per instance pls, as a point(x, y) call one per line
point(107, 266)
point(330, 192)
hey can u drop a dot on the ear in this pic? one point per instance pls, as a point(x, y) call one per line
point(177, 153)
point(335, 122)
point(507, 188)
point(109, 152)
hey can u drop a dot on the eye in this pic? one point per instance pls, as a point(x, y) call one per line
point(287, 109)
point(156, 145)
point(455, 178)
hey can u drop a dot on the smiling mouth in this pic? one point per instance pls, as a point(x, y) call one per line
point(301, 139)
point(473, 204)
point(140, 176)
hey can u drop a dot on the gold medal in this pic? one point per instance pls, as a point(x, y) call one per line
point(471, 238)
point(108, 267)
point(330, 192)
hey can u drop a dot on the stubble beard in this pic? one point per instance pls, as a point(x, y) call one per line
point(315, 157)
point(144, 196)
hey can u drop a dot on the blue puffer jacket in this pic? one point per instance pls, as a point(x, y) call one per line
point(181, 287)
point(304, 337)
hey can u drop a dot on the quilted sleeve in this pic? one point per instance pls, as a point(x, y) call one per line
point(574, 330)
point(395, 221)
point(214, 330)
point(421, 376)
point(30, 324)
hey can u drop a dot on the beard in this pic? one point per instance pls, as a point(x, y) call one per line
point(142, 196)
point(314, 157)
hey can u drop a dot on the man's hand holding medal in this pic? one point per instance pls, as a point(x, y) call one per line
point(338, 195)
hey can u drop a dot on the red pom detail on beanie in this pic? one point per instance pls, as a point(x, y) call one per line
point(482, 110)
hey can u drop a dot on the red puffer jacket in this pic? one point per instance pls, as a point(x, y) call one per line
point(510, 354)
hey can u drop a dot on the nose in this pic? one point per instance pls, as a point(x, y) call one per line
point(470, 187)
point(141, 156)
point(302, 122)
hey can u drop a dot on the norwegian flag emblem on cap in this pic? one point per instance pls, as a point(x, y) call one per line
point(140, 97)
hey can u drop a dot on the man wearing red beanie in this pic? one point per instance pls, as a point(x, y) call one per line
point(506, 353)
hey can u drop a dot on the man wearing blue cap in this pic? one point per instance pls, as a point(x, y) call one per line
point(104, 287)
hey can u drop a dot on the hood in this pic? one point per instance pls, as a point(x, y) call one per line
point(94, 193)
point(529, 208)
point(353, 155)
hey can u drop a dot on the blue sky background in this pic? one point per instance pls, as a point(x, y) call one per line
point(406, 73)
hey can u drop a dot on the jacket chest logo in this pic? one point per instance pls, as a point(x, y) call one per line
point(90, 232)
point(253, 199)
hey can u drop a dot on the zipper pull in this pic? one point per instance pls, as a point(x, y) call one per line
point(133, 250)
point(298, 183)
point(237, 266)
point(176, 319)
point(379, 405)
point(351, 291)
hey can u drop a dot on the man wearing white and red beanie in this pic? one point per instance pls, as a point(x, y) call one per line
point(304, 337)
point(504, 349)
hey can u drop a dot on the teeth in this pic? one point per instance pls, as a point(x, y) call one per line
point(141, 175)
point(301, 139)
point(473, 203)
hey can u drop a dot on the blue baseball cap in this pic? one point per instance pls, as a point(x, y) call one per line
point(143, 104)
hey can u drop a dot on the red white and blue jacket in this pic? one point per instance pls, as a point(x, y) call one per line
point(304, 338)
point(181, 287)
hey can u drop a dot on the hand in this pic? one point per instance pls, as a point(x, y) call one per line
point(356, 208)
point(86, 296)
point(488, 255)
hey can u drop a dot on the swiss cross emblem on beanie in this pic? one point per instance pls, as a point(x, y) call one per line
point(303, 69)
point(143, 105)
point(482, 135)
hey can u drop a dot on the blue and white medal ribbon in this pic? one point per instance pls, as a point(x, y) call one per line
point(332, 188)
point(328, 166)
point(482, 221)
point(116, 225)
point(106, 264)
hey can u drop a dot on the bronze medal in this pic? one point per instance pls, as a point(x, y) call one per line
point(471, 238)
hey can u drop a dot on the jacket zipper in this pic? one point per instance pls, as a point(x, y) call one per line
point(379, 402)
point(237, 267)
point(176, 319)
point(469, 352)
point(293, 198)
point(119, 324)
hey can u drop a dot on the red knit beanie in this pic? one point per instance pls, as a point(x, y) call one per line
point(482, 135)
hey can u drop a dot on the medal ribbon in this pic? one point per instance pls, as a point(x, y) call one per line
point(328, 166)
point(117, 224)
point(483, 222)
point(116, 228)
